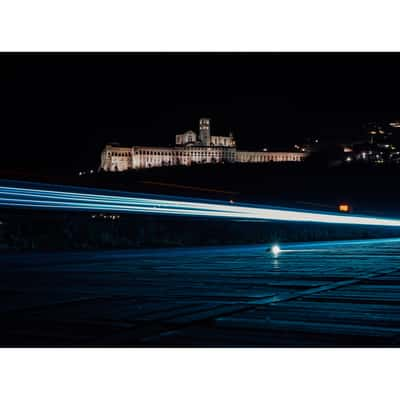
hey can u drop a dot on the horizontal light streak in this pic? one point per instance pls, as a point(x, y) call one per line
point(13, 196)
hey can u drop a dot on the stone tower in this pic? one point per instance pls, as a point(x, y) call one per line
point(204, 132)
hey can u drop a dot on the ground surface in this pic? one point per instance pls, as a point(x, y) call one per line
point(310, 295)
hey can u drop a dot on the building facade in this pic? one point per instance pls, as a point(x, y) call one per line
point(189, 149)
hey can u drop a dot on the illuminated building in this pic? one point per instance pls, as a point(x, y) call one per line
point(189, 149)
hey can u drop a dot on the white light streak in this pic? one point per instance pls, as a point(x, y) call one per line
point(13, 196)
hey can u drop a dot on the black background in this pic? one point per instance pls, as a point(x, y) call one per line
point(59, 110)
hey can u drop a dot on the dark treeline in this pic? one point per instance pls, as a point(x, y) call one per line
point(24, 230)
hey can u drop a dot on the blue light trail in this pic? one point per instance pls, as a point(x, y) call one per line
point(313, 247)
point(14, 194)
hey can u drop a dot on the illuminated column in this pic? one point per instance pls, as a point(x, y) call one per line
point(204, 131)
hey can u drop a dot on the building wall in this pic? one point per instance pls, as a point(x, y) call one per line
point(139, 157)
point(190, 139)
point(268, 156)
point(186, 138)
point(115, 158)
point(228, 141)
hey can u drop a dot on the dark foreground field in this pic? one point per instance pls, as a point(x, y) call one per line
point(336, 294)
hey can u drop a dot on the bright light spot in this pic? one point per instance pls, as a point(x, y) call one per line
point(275, 249)
point(344, 207)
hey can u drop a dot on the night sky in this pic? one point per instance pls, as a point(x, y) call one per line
point(59, 110)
